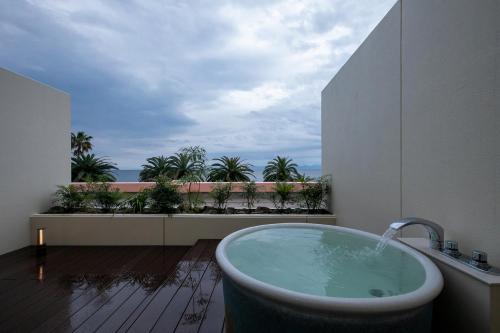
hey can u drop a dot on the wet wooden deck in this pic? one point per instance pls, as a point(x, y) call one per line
point(112, 289)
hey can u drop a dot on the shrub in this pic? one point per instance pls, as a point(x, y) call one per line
point(250, 194)
point(164, 196)
point(104, 197)
point(283, 195)
point(71, 198)
point(314, 194)
point(138, 202)
point(193, 193)
point(221, 194)
point(301, 177)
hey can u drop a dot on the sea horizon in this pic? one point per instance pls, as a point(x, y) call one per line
point(132, 175)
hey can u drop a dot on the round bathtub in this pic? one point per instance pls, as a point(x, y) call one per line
point(318, 278)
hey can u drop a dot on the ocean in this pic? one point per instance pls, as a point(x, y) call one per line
point(133, 175)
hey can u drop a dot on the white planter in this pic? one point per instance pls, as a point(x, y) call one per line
point(150, 229)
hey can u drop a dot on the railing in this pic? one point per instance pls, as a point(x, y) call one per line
point(202, 187)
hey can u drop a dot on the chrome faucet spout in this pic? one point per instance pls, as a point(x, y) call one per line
point(436, 232)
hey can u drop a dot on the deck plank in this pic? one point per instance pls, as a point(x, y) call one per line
point(97, 284)
point(73, 285)
point(44, 275)
point(22, 267)
point(169, 318)
point(144, 320)
point(194, 312)
point(27, 278)
point(112, 289)
point(213, 319)
point(150, 281)
point(171, 257)
point(35, 292)
point(17, 254)
point(43, 283)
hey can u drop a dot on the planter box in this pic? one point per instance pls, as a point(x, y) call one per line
point(137, 229)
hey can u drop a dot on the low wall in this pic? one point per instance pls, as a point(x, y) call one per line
point(128, 229)
point(470, 300)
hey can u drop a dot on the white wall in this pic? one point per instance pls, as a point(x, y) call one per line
point(446, 158)
point(361, 131)
point(451, 118)
point(35, 153)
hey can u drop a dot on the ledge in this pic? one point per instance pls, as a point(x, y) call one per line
point(153, 229)
point(422, 245)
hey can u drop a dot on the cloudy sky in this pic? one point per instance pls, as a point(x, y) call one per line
point(148, 77)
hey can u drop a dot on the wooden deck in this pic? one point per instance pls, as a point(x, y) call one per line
point(112, 289)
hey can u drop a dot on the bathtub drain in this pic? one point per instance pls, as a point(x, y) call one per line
point(376, 292)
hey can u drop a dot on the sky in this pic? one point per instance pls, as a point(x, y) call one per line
point(240, 78)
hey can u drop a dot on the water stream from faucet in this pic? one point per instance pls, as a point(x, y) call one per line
point(386, 237)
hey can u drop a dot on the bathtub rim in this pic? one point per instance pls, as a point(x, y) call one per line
point(426, 293)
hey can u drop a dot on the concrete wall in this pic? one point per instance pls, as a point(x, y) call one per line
point(361, 131)
point(469, 301)
point(451, 118)
point(411, 124)
point(150, 229)
point(34, 150)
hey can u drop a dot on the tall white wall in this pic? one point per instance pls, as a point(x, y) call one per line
point(361, 131)
point(451, 118)
point(441, 145)
point(35, 123)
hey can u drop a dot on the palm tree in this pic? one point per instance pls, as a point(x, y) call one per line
point(183, 164)
point(155, 167)
point(197, 153)
point(88, 167)
point(280, 169)
point(230, 169)
point(80, 143)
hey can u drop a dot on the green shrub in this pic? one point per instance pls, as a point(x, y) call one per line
point(221, 194)
point(138, 202)
point(250, 194)
point(282, 195)
point(164, 196)
point(194, 200)
point(303, 178)
point(105, 198)
point(314, 194)
point(71, 198)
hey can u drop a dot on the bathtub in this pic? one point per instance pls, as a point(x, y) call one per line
point(317, 278)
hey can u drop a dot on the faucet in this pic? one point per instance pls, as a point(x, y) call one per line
point(436, 232)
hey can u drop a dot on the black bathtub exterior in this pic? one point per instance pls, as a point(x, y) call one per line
point(247, 311)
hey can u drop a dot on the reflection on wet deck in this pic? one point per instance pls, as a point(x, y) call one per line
point(112, 289)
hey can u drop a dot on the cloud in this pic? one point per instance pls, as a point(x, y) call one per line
point(148, 77)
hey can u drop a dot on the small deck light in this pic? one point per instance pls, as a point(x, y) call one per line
point(41, 245)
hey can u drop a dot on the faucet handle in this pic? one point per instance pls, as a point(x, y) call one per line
point(479, 256)
point(451, 248)
point(451, 245)
point(479, 259)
